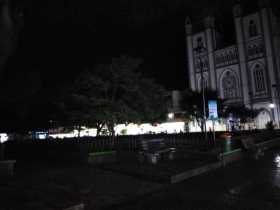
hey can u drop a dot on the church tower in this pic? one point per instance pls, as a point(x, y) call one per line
point(240, 39)
point(200, 54)
point(209, 24)
point(256, 41)
point(190, 56)
point(246, 72)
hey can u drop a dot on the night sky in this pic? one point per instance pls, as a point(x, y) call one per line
point(62, 37)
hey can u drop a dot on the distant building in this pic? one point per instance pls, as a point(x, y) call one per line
point(247, 72)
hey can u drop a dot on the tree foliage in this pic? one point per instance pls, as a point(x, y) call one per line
point(110, 94)
point(241, 112)
point(193, 105)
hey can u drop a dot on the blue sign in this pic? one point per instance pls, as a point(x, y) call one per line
point(213, 109)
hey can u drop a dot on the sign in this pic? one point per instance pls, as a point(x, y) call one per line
point(213, 109)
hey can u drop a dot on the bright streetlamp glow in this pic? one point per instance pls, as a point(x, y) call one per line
point(3, 137)
point(170, 115)
point(271, 106)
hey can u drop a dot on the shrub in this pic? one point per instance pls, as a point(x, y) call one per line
point(269, 125)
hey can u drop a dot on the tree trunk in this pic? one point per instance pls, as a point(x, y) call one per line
point(98, 131)
point(200, 124)
point(111, 129)
point(99, 127)
point(79, 131)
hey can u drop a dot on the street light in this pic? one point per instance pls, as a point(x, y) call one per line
point(170, 116)
point(277, 91)
point(199, 49)
point(271, 106)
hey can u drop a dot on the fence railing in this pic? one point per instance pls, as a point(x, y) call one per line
point(70, 148)
point(78, 148)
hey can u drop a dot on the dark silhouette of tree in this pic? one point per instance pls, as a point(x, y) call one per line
point(193, 105)
point(241, 112)
point(110, 94)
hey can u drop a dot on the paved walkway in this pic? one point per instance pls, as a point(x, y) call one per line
point(49, 187)
point(242, 185)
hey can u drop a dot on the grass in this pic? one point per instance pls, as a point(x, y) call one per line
point(102, 153)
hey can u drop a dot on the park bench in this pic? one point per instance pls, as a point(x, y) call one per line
point(154, 149)
point(253, 149)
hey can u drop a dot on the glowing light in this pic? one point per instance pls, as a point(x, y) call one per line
point(145, 128)
point(271, 106)
point(42, 136)
point(3, 137)
point(277, 160)
point(170, 115)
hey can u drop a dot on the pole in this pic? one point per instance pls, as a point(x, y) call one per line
point(199, 51)
point(277, 86)
point(214, 136)
point(203, 99)
point(277, 107)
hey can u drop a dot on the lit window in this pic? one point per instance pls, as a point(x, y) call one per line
point(199, 42)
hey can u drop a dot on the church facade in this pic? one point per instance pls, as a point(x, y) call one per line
point(246, 72)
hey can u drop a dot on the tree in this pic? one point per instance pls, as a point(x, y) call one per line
point(242, 113)
point(193, 105)
point(74, 105)
point(110, 94)
point(123, 95)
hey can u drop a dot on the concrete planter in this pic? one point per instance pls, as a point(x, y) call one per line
point(102, 157)
point(7, 168)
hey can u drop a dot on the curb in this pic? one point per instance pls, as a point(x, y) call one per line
point(225, 159)
point(194, 172)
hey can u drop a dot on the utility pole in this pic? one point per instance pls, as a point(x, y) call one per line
point(199, 50)
point(277, 88)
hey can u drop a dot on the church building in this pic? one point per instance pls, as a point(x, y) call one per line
point(246, 72)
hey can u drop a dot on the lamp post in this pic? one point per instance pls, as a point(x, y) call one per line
point(272, 106)
point(277, 91)
point(252, 121)
point(199, 49)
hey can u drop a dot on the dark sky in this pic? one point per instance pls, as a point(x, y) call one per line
point(61, 37)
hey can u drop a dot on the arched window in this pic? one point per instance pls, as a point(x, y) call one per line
point(229, 85)
point(232, 58)
point(235, 54)
point(260, 49)
point(224, 59)
point(250, 51)
point(259, 78)
point(218, 59)
point(255, 49)
point(253, 31)
point(228, 58)
point(205, 63)
point(199, 42)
